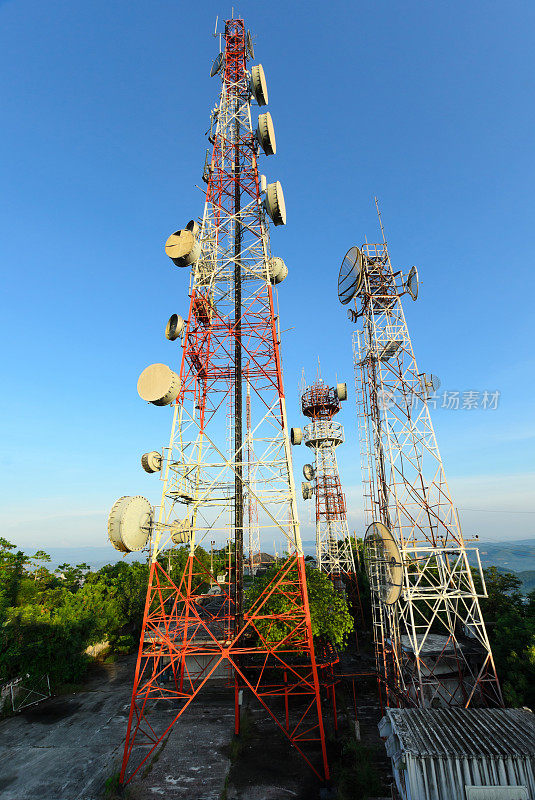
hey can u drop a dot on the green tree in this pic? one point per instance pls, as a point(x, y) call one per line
point(11, 573)
point(510, 622)
point(37, 557)
point(72, 576)
point(329, 612)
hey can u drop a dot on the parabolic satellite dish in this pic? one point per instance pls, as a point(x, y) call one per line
point(431, 382)
point(217, 64)
point(411, 284)
point(435, 382)
point(308, 472)
point(383, 562)
point(350, 277)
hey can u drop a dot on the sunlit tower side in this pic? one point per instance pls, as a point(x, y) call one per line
point(253, 528)
point(431, 643)
point(230, 338)
point(320, 403)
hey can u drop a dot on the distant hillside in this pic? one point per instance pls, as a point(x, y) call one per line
point(514, 556)
point(528, 580)
point(96, 557)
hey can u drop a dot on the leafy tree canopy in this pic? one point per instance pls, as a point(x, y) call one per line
point(329, 612)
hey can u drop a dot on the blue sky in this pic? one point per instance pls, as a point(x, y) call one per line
point(105, 105)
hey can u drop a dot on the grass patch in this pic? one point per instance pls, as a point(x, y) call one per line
point(156, 757)
point(238, 743)
point(356, 776)
point(236, 747)
point(113, 789)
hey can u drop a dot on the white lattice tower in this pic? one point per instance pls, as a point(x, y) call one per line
point(431, 646)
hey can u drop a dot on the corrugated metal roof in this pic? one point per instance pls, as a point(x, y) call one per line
point(464, 732)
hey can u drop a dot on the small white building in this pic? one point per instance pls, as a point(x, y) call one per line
point(461, 754)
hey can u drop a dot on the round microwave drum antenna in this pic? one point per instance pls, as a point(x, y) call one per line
point(174, 328)
point(274, 203)
point(383, 562)
point(352, 315)
point(306, 490)
point(296, 435)
point(350, 277)
point(193, 226)
point(411, 284)
point(341, 391)
point(158, 384)
point(277, 270)
point(308, 472)
point(259, 85)
point(183, 248)
point(265, 134)
point(249, 44)
point(217, 64)
point(181, 531)
point(130, 523)
point(151, 462)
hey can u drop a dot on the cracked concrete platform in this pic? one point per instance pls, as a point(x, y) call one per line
point(66, 747)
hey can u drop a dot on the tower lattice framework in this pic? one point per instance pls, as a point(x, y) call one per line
point(253, 529)
point(211, 481)
point(334, 555)
point(431, 644)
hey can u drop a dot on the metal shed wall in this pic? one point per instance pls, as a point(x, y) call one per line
point(436, 754)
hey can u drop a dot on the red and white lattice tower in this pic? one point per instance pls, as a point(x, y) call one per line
point(320, 403)
point(431, 643)
point(230, 338)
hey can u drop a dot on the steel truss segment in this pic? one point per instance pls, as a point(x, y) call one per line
point(221, 483)
point(334, 554)
point(432, 646)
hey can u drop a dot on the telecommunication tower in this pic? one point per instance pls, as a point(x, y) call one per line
point(431, 643)
point(320, 403)
point(230, 337)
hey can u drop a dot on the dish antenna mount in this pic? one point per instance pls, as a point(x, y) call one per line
point(249, 45)
point(430, 383)
point(351, 274)
point(383, 562)
point(308, 472)
point(412, 283)
point(216, 65)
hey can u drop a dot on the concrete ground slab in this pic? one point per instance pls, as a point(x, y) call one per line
point(66, 747)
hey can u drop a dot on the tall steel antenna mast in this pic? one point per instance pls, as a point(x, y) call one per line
point(190, 637)
point(431, 643)
point(320, 403)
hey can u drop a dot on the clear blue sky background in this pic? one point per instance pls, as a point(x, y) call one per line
point(429, 105)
